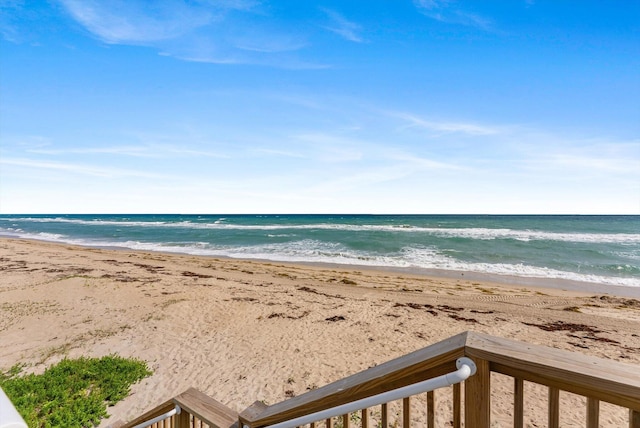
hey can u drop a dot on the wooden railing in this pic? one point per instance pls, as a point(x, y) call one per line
point(594, 378)
point(197, 410)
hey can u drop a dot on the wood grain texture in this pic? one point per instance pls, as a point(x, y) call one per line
point(183, 420)
point(554, 408)
point(365, 418)
point(212, 412)
point(155, 412)
point(384, 417)
point(518, 403)
point(477, 396)
point(431, 409)
point(634, 419)
point(406, 412)
point(593, 413)
point(606, 380)
point(595, 378)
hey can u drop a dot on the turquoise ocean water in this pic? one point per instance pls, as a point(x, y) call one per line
point(594, 249)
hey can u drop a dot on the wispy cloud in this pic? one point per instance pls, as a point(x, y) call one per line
point(359, 180)
point(342, 26)
point(593, 163)
point(257, 42)
point(330, 148)
point(90, 170)
point(341, 163)
point(278, 153)
point(8, 9)
point(121, 21)
point(383, 167)
point(448, 12)
point(221, 32)
point(446, 127)
point(154, 151)
point(421, 163)
point(585, 157)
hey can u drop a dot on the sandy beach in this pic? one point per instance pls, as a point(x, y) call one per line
point(242, 331)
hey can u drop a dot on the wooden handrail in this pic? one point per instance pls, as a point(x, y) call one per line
point(156, 411)
point(611, 381)
point(432, 361)
point(596, 378)
point(193, 403)
point(466, 367)
point(205, 408)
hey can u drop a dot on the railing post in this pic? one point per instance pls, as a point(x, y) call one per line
point(634, 419)
point(477, 396)
point(183, 419)
point(518, 403)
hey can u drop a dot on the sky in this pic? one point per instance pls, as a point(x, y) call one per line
point(320, 106)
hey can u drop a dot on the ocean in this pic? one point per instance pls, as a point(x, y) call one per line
point(602, 250)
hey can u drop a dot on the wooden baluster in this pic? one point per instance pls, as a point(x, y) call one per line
point(593, 412)
point(312, 425)
point(406, 412)
point(385, 416)
point(554, 407)
point(183, 420)
point(431, 410)
point(634, 418)
point(365, 418)
point(345, 421)
point(518, 403)
point(477, 397)
point(329, 423)
point(457, 406)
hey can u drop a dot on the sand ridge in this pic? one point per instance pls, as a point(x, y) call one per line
point(242, 331)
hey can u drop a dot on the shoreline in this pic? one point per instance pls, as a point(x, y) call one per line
point(505, 280)
point(247, 330)
point(586, 288)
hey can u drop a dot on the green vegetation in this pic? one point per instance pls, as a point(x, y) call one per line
point(73, 393)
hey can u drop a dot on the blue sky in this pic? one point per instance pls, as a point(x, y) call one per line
point(249, 106)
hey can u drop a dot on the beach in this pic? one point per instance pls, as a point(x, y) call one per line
point(247, 330)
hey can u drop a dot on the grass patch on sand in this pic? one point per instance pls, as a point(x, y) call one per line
point(72, 393)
